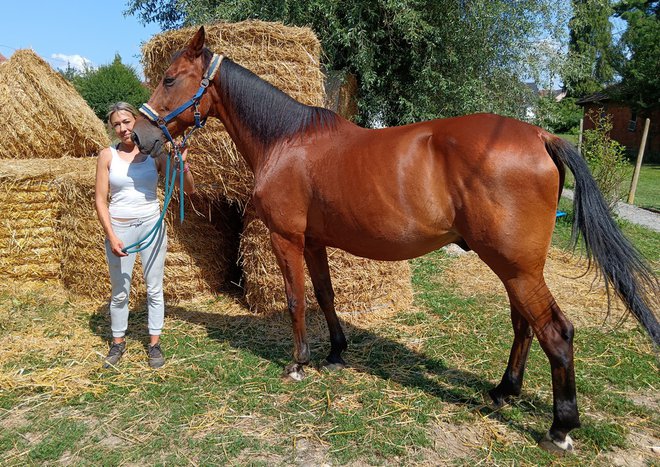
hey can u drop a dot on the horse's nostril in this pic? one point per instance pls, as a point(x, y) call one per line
point(135, 138)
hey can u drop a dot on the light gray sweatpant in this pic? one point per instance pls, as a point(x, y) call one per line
point(121, 272)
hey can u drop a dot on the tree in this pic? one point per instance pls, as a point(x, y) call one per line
point(414, 59)
point(640, 51)
point(69, 73)
point(108, 84)
point(590, 51)
point(558, 116)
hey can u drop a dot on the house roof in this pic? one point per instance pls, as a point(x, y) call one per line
point(595, 97)
point(614, 92)
point(2, 58)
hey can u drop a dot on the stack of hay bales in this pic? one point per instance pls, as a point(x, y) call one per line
point(287, 57)
point(50, 231)
point(49, 123)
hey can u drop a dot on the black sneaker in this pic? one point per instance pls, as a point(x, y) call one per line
point(156, 357)
point(115, 353)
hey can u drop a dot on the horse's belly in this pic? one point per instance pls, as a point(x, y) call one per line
point(382, 245)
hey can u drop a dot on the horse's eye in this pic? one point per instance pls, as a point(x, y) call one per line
point(168, 81)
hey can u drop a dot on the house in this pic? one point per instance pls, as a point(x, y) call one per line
point(2, 58)
point(627, 121)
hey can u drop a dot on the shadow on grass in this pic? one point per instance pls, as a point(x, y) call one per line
point(270, 337)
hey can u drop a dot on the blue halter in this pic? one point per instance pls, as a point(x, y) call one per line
point(153, 116)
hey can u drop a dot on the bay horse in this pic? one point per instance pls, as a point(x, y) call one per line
point(485, 182)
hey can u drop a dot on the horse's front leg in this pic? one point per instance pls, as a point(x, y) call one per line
point(289, 254)
point(316, 258)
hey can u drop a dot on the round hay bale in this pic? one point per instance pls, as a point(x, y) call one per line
point(359, 284)
point(47, 116)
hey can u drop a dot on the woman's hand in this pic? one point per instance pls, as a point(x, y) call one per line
point(116, 246)
point(184, 153)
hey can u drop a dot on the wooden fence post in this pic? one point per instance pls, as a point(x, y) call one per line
point(579, 148)
point(638, 165)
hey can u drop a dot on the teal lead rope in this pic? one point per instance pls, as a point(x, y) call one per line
point(170, 181)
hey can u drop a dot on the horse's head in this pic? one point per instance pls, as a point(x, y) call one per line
point(180, 100)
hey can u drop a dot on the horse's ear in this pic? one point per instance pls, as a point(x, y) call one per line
point(196, 44)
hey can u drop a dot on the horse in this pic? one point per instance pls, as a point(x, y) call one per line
point(485, 182)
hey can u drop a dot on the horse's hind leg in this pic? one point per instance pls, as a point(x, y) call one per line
point(520, 267)
point(317, 263)
point(530, 295)
point(512, 380)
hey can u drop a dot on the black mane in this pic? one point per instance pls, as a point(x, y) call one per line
point(269, 113)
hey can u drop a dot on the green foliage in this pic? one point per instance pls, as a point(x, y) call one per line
point(590, 56)
point(108, 84)
point(69, 73)
point(558, 117)
point(606, 158)
point(640, 43)
point(414, 59)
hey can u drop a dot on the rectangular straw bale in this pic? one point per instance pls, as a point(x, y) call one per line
point(47, 116)
point(195, 262)
point(359, 284)
point(28, 228)
point(50, 231)
point(287, 57)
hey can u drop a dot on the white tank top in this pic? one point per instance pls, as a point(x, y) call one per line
point(133, 188)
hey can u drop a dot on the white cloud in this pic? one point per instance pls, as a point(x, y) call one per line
point(75, 61)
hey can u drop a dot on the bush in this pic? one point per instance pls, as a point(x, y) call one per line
point(558, 117)
point(109, 84)
point(606, 158)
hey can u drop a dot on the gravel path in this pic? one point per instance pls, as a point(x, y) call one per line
point(648, 219)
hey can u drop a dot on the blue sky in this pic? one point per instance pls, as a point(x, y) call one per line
point(73, 31)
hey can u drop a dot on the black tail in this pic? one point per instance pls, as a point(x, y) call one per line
point(616, 258)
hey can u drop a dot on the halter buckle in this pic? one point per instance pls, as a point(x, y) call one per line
point(205, 83)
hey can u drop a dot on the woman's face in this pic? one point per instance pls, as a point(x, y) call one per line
point(122, 122)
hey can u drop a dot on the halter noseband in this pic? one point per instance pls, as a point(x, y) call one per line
point(153, 116)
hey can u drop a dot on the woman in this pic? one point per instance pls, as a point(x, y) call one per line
point(131, 179)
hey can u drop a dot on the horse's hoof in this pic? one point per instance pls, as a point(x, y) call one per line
point(294, 372)
point(332, 367)
point(557, 447)
point(498, 400)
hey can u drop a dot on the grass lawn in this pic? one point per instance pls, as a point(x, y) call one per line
point(647, 194)
point(415, 392)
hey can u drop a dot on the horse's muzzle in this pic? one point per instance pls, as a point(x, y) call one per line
point(135, 139)
point(147, 137)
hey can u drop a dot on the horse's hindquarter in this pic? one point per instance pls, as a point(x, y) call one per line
point(506, 186)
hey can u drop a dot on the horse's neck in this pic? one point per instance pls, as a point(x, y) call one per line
point(250, 149)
